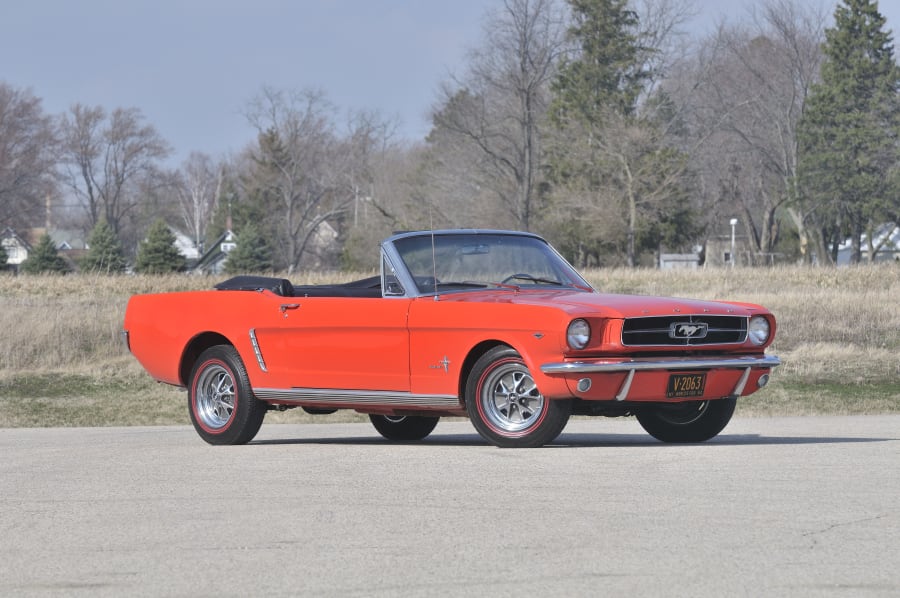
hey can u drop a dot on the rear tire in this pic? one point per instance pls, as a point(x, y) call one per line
point(691, 421)
point(404, 427)
point(220, 401)
point(505, 405)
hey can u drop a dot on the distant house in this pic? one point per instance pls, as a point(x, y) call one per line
point(886, 239)
point(66, 239)
point(679, 261)
point(322, 246)
point(17, 248)
point(186, 247)
point(718, 251)
point(69, 243)
point(212, 261)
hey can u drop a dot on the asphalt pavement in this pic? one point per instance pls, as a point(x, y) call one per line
point(771, 507)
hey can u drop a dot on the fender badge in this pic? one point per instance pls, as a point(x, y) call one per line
point(443, 364)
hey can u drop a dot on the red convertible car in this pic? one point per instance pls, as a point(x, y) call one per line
point(492, 325)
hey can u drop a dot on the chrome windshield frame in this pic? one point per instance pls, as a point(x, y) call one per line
point(406, 279)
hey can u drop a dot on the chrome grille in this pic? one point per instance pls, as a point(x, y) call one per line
point(683, 331)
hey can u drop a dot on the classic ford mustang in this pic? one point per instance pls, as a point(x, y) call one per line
point(492, 325)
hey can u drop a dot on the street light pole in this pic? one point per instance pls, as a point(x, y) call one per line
point(733, 224)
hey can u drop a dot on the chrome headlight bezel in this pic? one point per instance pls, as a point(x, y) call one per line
point(759, 330)
point(578, 334)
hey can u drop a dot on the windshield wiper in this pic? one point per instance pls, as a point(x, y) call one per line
point(534, 279)
point(461, 285)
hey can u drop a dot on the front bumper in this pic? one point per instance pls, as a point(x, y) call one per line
point(644, 379)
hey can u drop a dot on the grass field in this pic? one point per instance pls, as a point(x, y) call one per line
point(62, 362)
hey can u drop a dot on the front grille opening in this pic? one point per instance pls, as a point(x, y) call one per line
point(684, 331)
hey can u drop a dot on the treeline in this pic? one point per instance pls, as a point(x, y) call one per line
point(598, 123)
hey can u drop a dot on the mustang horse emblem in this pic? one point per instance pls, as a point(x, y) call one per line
point(688, 330)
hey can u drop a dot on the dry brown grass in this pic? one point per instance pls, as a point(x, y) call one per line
point(62, 361)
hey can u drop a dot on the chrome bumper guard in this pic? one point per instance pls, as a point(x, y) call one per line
point(600, 366)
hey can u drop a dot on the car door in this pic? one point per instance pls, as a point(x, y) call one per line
point(338, 343)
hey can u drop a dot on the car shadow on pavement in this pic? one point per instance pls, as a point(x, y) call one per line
point(578, 440)
point(588, 440)
point(433, 440)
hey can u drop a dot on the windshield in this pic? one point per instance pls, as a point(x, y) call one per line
point(460, 261)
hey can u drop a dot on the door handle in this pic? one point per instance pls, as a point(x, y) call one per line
point(286, 306)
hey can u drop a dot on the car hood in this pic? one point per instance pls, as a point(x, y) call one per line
point(581, 303)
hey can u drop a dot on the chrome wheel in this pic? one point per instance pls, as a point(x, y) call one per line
point(505, 405)
point(215, 397)
point(220, 400)
point(509, 398)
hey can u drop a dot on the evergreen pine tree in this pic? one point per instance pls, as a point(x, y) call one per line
point(4, 257)
point(44, 259)
point(158, 254)
point(252, 253)
point(104, 253)
point(611, 160)
point(850, 129)
point(607, 73)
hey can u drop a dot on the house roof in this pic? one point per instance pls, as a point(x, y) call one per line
point(9, 233)
point(185, 244)
point(215, 251)
point(68, 239)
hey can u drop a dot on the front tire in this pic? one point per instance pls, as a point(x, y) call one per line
point(220, 401)
point(404, 428)
point(691, 421)
point(505, 405)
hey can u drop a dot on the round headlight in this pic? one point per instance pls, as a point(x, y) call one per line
point(578, 334)
point(759, 330)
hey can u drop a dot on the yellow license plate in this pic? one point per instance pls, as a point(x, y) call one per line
point(685, 385)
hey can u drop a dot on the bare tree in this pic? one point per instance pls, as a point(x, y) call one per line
point(389, 204)
point(199, 187)
point(614, 155)
point(495, 113)
point(105, 156)
point(27, 160)
point(662, 34)
point(363, 148)
point(750, 86)
point(296, 158)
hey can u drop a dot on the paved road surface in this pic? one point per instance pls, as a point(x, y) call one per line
point(774, 507)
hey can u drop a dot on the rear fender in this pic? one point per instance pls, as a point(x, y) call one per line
point(194, 348)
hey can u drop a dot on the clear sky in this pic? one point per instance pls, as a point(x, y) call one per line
point(191, 66)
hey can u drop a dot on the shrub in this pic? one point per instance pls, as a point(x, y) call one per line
point(158, 254)
point(105, 255)
point(45, 259)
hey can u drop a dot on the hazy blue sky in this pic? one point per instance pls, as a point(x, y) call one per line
point(192, 65)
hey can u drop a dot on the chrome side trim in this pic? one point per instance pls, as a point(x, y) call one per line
point(603, 366)
point(256, 349)
point(327, 396)
point(626, 386)
point(741, 383)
